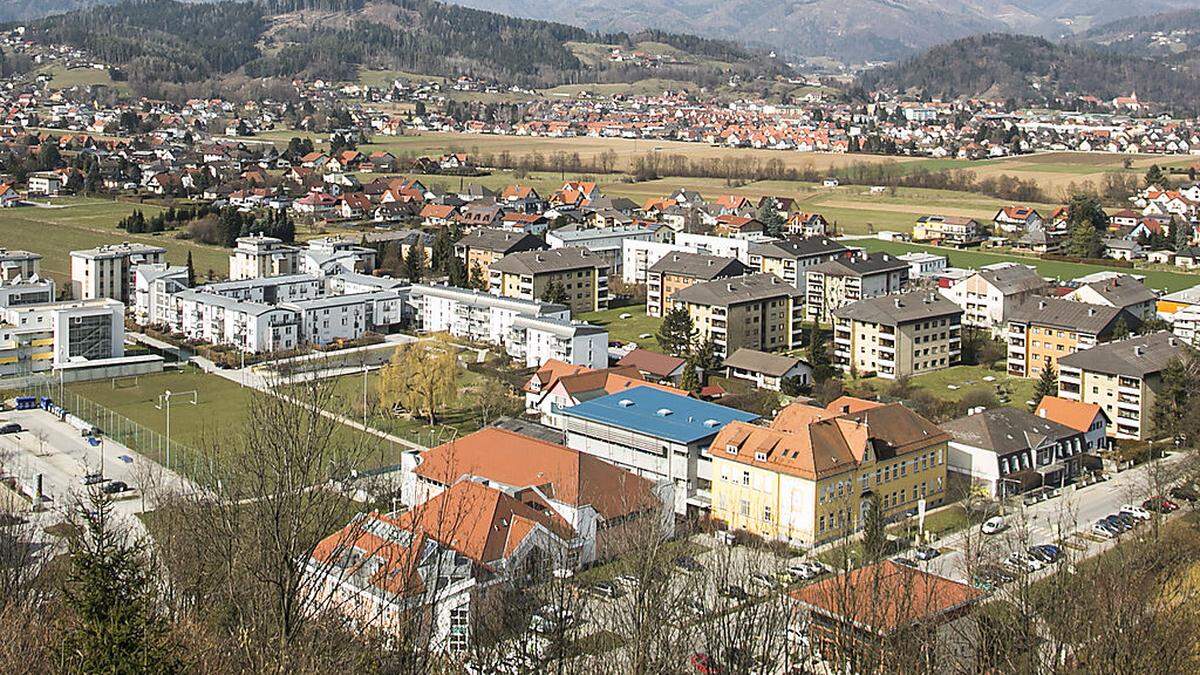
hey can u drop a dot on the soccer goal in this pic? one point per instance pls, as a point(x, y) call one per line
point(126, 382)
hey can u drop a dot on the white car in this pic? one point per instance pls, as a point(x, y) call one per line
point(994, 525)
point(1022, 560)
point(1100, 530)
point(1136, 511)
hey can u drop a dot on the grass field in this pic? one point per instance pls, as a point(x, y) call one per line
point(65, 78)
point(629, 329)
point(1158, 279)
point(966, 379)
point(84, 223)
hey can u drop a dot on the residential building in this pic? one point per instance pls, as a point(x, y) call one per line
point(1123, 292)
point(15, 264)
point(655, 434)
point(35, 338)
point(108, 271)
point(869, 608)
point(46, 183)
point(1171, 303)
point(605, 243)
point(809, 476)
point(154, 284)
point(988, 296)
point(765, 370)
point(580, 276)
point(482, 247)
point(1043, 330)
point(676, 271)
point(637, 257)
point(925, 265)
point(789, 258)
point(837, 283)
point(949, 231)
point(655, 366)
point(598, 500)
point(1087, 418)
point(331, 255)
point(897, 335)
point(26, 291)
point(262, 256)
point(570, 388)
point(1008, 450)
point(726, 247)
point(1122, 377)
point(535, 340)
point(1186, 325)
point(1017, 219)
point(757, 311)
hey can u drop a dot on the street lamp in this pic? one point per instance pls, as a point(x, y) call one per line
point(164, 403)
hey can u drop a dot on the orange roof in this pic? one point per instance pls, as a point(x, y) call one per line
point(848, 405)
point(1075, 414)
point(886, 596)
point(437, 211)
point(610, 380)
point(550, 371)
point(799, 415)
point(518, 461)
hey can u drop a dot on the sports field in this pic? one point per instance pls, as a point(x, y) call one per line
point(1158, 279)
point(79, 223)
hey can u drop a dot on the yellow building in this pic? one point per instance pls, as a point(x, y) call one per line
point(578, 278)
point(676, 271)
point(484, 246)
point(897, 335)
point(758, 311)
point(810, 477)
point(1043, 330)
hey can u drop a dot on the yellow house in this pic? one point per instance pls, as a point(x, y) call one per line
point(1043, 330)
point(810, 476)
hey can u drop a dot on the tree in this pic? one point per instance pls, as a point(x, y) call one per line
point(414, 263)
point(441, 251)
point(690, 381)
point(818, 355)
point(555, 293)
point(478, 279)
point(191, 271)
point(421, 378)
point(704, 354)
point(1047, 385)
point(874, 534)
point(456, 272)
point(676, 332)
point(1174, 413)
point(772, 220)
point(1155, 176)
point(1086, 223)
point(1120, 329)
point(110, 592)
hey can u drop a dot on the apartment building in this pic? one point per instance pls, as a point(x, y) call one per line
point(810, 476)
point(531, 275)
point(765, 370)
point(258, 256)
point(637, 257)
point(1042, 330)
point(1007, 450)
point(36, 338)
point(14, 264)
point(108, 271)
point(837, 283)
point(484, 246)
point(605, 243)
point(536, 340)
point(655, 434)
point(676, 271)
point(1186, 325)
point(332, 255)
point(949, 231)
point(1123, 378)
point(988, 296)
point(790, 258)
point(26, 291)
point(1121, 291)
point(757, 311)
point(153, 287)
point(897, 335)
point(925, 265)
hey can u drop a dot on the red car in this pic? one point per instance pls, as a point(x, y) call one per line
point(1159, 504)
point(704, 664)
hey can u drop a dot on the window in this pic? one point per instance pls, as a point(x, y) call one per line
point(746, 478)
point(767, 513)
point(744, 507)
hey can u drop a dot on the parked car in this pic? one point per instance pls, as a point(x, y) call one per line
point(1022, 560)
point(994, 525)
point(927, 553)
point(627, 581)
point(1159, 505)
point(115, 487)
point(91, 478)
point(1136, 511)
point(605, 589)
point(1102, 529)
point(1047, 553)
point(1127, 520)
point(1187, 493)
point(688, 564)
point(725, 537)
point(983, 582)
point(704, 664)
point(1116, 524)
point(764, 580)
point(10, 428)
point(734, 592)
point(807, 570)
point(907, 562)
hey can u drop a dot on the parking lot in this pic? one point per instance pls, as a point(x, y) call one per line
point(62, 456)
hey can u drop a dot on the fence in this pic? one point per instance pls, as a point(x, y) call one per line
point(172, 455)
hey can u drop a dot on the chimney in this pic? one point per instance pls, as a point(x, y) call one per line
point(1041, 304)
point(729, 287)
point(1091, 311)
point(1041, 412)
point(1138, 350)
point(898, 303)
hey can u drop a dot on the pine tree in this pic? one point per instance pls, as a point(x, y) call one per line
point(478, 279)
point(414, 263)
point(1047, 385)
point(1120, 329)
point(690, 381)
point(874, 534)
point(1155, 176)
point(818, 356)
point(456, 271)
point(442, 250)
point(771, 219)
point(705, 356)
point(676, 332)
point(555, 293)
point(191, 271)
point(1174, 414)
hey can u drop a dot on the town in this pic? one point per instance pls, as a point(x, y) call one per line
point(625, 383)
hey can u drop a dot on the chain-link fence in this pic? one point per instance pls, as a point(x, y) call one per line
point(143, 440)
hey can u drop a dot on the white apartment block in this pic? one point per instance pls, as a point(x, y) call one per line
point(536, 340)
point(606, 243)
point(22, 264)
point(38, 338)
point(21, 291)
point(638, 256)
point(261, 256)
point(153, 287)
point(332, 255)
point(108, 271)
point(714, 245)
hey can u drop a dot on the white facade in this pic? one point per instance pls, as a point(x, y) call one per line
point(1186, 325)
point(26, 291)
point(260, 256)
point(537, 340)
point(23, 264)
point(153, 287)
point(638, 256)
point(606, 243)
point(924, 264)
point(108, 271)
point(37, 338)
point(712, 245)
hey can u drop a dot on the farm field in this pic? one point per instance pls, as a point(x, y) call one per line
point(84, 223)
point(1158, 279)
point(65, 78)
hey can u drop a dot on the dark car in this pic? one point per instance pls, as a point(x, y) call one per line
point(1187, 493)
point(1115, 525)
point(1129, 521)
point(1048, 553)
point(927, 553)
point(10, 428)
point(114, 487)
point(688, 563)
point(605, 589)
point(734, 592)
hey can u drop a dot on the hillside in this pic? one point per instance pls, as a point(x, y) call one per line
point(848, 30)
point(1172, 37)
point(156, 42)
point(1035, 71)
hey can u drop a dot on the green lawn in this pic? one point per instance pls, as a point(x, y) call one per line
point(629, 329)
point(85, 223)
point(965, 379)
point(221, 408)
point(65, 78)
point(1159, 279)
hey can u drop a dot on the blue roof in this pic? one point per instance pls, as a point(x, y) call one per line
point(645, 410)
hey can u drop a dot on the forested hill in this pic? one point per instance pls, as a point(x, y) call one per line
point(162, 41)
point(1035, 71)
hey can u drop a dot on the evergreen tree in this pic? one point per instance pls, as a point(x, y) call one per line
point(874, 534)
point(773, 221)
point(110, 593)
point(414, 263)
point(191, 271)
point(1121, 329)
point(818, 355)
point(1086, 221)
point(457, 272)
point(478, 279)
point(442, 250)
point(676, 332)
point(1174, 414)
point(690, 381)
point(705, 356)
point(1047, 385)
point(1155, 176)
point(555, 293)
